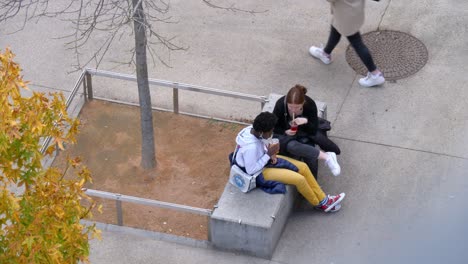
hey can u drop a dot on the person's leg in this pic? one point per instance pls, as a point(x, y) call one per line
point(324, 54)
point(313, 196)
point(374, 76)
point(325, 143)
point(333, 40)
point(310, 153)
point(305, 171)
point(313, 166)
point(363, 52)
point(327, 203)
point(302, 150)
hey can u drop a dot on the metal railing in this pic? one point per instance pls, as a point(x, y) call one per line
point(88, 91)
point(119, 198)
point(70, 98)
point(85, 79)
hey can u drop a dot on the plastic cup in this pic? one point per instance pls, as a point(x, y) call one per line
point(294, 127)
point(274, 141)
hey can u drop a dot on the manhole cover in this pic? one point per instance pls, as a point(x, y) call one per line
point(397, 54)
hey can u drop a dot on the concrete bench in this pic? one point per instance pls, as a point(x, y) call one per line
point(252, 223)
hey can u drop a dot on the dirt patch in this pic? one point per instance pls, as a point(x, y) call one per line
point(192, 165)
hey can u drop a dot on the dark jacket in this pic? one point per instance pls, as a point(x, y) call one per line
point(310, 129)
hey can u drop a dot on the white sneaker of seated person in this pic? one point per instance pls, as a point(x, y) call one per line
point(318, 53)
point(332, 164)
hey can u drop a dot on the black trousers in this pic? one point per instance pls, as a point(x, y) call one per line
point(309, 153)
point(356, 42)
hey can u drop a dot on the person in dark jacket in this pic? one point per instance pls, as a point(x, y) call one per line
point(297, 130)
point(254, 153)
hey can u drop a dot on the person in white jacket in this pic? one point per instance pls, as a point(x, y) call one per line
point(347, 19)
point(254, 153)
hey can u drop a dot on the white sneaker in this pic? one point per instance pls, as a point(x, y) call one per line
point(332, 164)
point(320, 54)
point(372, 80)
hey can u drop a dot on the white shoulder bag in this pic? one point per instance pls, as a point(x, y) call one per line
point(242, 180)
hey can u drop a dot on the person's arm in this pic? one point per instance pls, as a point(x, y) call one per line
point(310, 112)
point(252, 162)
point(279, 111)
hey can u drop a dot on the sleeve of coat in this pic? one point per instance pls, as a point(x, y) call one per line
point(251, 163)
point(279, 111)
point(310, 112)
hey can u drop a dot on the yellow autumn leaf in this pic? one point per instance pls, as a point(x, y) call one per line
point(97, 234)
point(48, 200)
point(50, 150)
point(59, 142)
point(59, 212)
point(28, 242)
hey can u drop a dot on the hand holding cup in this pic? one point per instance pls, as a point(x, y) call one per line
point(300, 121)
point(274, 145)
point(275, 141)
point(272, 149)
point(293, 130)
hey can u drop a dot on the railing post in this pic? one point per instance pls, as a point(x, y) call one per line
point(89, 86)
point(85, 90)
point(118, 205)
point(175, 99)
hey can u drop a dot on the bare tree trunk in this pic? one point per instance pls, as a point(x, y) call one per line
point(148, 155)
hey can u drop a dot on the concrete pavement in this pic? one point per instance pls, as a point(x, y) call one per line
point(404, 145)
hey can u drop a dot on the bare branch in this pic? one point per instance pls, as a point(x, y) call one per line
point(154, 55)
point(91, 19)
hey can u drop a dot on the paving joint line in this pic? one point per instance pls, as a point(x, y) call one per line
point(346, 97)
point(383, 14)
point(399, 147)
point(355, 77)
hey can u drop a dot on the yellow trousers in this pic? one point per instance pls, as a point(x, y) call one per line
point(303, 180)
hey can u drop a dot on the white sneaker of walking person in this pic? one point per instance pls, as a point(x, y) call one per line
point(372, 80)
point(332, 164)
point(318, 53)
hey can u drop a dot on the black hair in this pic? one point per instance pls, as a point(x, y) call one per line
point(265, 122)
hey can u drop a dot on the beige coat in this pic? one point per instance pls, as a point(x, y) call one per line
point(348, 15)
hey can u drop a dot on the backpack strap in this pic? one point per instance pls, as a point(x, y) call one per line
point(285, 111)
point(233, 161)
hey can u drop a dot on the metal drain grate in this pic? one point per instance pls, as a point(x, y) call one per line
point(397, 54)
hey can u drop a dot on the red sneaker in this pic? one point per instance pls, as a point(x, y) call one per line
point(333, 203)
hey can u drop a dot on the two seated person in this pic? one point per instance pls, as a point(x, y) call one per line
point(295, 123)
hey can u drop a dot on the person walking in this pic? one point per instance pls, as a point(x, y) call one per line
point(347, 19)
